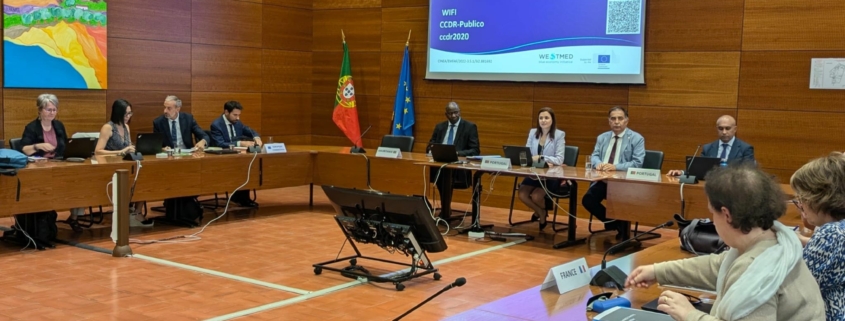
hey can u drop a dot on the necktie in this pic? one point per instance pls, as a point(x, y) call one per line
point(450, 139)
point(173, 133)
point(613, 150)
point(232, 133)
point(724, 155)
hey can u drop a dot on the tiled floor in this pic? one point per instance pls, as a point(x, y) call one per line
point(277, 244)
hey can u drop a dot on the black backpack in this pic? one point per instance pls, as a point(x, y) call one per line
point(183, 211)
point(41, 227)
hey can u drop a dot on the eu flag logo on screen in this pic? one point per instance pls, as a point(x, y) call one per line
point(403, 106)
point(604, 59)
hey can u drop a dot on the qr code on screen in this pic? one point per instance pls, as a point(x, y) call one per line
point(623, 17)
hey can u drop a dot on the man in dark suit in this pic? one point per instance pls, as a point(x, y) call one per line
point(178, 127)
point(464, 135)
point(228, 129)
point(729, 148)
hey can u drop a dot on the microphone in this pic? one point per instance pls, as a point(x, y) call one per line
point(356, 149)
point(687, 178)
point(613, 274)
point(458, 282)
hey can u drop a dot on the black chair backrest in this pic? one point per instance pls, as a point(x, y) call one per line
point(653, 159)
point(2, 143)
point(15, 143)
point(570, 156)
point(403, 143)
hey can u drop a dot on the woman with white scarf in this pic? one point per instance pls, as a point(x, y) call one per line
point(762, 276)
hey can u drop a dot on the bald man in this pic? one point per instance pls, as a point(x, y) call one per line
point(728, 147)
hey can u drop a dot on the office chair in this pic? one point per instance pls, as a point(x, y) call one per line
point(15, 143)
point(2, 143)
point(570, 158)
point(403, 143)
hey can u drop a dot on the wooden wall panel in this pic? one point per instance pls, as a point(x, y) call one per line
point(286, 71)
point(219, 68)
point(164, 20)
point(693, 25)
point(363, 32)
point(429, 113)
point(149, 65)
point(492, 90)
point(793, 25)
point(689, 79)
point(226, 22)
point(146, 106)
point(341, 4)
point(581, 122)
point(677, 130)
point(79, 110)
point(787, 140)
point(285, 114)
point(208, 106)
point(396, 22)
point(2, 121)
point(789, 87)
point(365, 72)
point(499, 122)
point(403, 3)
point(391, 66)
point(286, 28)
point(581, 93)
point(302, 4)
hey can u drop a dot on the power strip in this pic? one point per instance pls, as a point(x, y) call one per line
point(476, 235)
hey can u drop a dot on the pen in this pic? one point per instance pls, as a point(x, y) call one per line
point(796, 228)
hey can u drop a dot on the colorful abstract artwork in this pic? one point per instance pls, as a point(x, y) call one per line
point(54, 44)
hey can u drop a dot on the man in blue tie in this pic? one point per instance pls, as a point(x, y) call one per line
point(178, 127)
point(228, 130)
point(729, 148)
point(464, 135)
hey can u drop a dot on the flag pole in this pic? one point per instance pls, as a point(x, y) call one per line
point(409, 38)
point(343, 36)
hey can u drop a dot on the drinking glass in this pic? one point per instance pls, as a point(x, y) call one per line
point(523, 159)
point(588, 163)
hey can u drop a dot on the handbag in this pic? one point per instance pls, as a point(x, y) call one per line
point(699, 236)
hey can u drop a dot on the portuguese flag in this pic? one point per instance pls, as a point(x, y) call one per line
point(345, 113)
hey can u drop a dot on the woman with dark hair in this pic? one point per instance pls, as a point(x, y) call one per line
point(762, 277)
point(114, 135)
point(820, 196)
point(547, 144)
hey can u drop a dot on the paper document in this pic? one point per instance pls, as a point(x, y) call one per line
point(827, 73)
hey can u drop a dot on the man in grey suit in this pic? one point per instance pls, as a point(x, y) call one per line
point(729, 148)
point(617, 150)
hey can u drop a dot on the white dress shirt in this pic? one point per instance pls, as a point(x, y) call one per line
point(608, 151)
point(728, 153)
point(180, 143)
point(454, 128)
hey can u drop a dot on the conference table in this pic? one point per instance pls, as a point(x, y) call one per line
point(536, 304)
point(48, 185)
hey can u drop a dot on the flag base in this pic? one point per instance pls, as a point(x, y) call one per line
point(357, 150)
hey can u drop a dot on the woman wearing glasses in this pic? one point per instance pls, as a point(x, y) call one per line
point(114, 136)
point(820, 196)
point(762, 277)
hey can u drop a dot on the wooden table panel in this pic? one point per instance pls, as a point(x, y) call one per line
point(286, 170)
point(36, 190)
point(167, 178)
point(84, 185)
point(224, 173)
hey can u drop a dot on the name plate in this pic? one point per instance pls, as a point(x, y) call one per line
point(496, 163)
point(642, 174)
point(568, 276)
point(274, 148)
point(388, 152)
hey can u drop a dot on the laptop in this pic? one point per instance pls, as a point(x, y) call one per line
point(444, 153)
point(701, 165)
point(80, 148)
point(512, 152)
point(149, 143)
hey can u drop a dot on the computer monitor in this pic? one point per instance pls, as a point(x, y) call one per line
point(444, 153)
point(512, 152)
point(80, 148)
point(389, 208)
point(701, 165)
point(149, 143)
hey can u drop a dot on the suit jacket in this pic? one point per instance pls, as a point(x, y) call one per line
point(187, 124)
point(740, 151)
point(465, 141)
point(553, 150)
point(220, 134)
point(33, 133)
point(633, 150)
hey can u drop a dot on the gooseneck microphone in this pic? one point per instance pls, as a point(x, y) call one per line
point(356, 149)
point(458, 282)
point(636, 237)
point(687, 178)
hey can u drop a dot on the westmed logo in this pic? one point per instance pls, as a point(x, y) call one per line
point(555, 56)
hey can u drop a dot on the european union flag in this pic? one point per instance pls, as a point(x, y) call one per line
point(403, 106)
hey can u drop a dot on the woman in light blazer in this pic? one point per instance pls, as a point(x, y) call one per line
point(547, 144)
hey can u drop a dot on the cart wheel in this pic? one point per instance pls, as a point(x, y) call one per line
point(318, 270)
point(353, 262)
point(400, 286)
point(437, 276)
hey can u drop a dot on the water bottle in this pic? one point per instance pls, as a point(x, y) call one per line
point(723, 163)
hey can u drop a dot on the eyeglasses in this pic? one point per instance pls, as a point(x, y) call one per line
point(51, 110)
point(694, 300)
point(798, 204)
point(128, 113)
